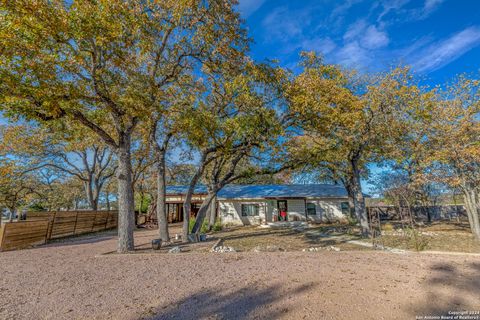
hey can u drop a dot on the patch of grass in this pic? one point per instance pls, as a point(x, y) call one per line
point(217, 226)
point(448, 236)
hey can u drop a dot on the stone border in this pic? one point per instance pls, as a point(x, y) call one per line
point(216, 244)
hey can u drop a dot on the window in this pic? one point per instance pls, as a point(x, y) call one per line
point(250, 210)
point(311, 209)
point(345, 206)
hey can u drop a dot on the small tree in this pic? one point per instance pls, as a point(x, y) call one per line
point(71, 151)
point(345, 121)
point(17, 186)
point(454, 146)
point(235, 120)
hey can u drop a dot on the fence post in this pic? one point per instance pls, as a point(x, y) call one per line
point(54, 216)
point(75, 225)
point(48, 228)
point(2, 232)
point(94, 219)
point(106, 220)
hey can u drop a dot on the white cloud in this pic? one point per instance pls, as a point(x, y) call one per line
point(286, 25)
point(322, 45)
point(343, 8)
point(374, 38)
point(439, 54)
point(395, 11)
point(355, 30)
point(368, 36)
point(431, 5)
point(391, 5)
point(353, 55)
point(424, 12)
point(247, 7)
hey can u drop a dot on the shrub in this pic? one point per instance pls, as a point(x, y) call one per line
point(352, 220)
point(203, 229)
point(218, 225)
point(388, 227)
point(415, 239)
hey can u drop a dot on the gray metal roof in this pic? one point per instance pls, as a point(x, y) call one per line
point(270, 191)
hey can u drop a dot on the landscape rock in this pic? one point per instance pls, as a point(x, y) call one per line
point(175, 249)
point(333, 248)
point(267, 249)
point(312, 249)
point(223, 249)
point(394, 250)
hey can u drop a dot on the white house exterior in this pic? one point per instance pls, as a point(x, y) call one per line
point(260, 204)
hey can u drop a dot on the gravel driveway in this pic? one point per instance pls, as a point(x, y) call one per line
point(73, 280)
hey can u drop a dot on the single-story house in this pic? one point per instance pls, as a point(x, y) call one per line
point(260, 204)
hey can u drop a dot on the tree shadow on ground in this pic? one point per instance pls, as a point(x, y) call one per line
point(330, 238)
point(309, 233)
point(256, 234)
point(450, 289)
point(79, 239)
point(244, 303)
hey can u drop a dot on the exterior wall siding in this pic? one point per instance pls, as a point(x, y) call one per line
point(230, 212)
point(296, 209)
point(327, 210)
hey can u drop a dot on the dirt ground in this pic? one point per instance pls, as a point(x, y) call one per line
point(75, 279)
point(450, 236)
point(291, 239)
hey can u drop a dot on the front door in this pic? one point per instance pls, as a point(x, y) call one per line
point(282, 210)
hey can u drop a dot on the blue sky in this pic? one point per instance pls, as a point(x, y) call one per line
point(438, 38)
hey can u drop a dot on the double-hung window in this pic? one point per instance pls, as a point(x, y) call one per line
point(250, 210)
point(311, 209)
point(345, 207)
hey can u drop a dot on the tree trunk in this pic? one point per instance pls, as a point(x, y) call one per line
point(212, 214)
point(107, 197)
point(161, 197)
point(202, 212)
point(126, 215)
point(472, 208)
point(96, 193)
point(12, 214)
point(92, 200)
point(358, 199)
point(187, 204)
point(351, 204)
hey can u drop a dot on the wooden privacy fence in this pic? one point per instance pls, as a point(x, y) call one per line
point(43, 226)
point(22, 234)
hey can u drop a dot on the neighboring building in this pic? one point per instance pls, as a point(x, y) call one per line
point(260, 204)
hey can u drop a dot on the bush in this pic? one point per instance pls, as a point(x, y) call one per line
point(415, 239)
point(218, 225)
point(352, 220)
point(388, 227)
point(203, 229)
